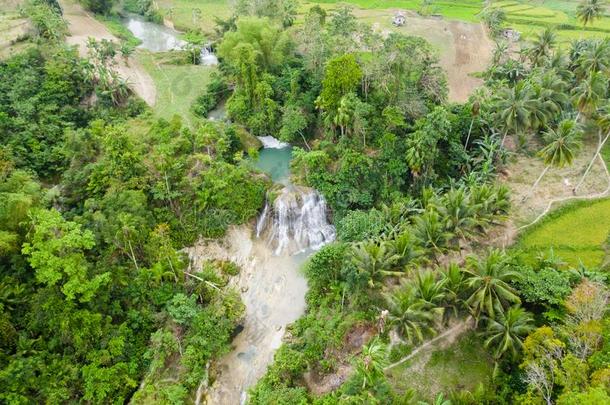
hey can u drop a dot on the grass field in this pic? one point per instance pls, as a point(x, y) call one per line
point(463, 365)
point(528, 17)
point(177, 85)
point(13, 29)
point(576, 232)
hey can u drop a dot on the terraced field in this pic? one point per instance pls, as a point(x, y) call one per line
point(530, 17)
point(577, 232)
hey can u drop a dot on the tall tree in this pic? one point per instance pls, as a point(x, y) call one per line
point(514, 106)
point(505, 332)
point(590, 10)
point(561, 144)
point(489, 280)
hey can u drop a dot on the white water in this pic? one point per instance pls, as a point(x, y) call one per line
point(270, 142)
point(271, 284)
point(207, 58)
point(295, 221)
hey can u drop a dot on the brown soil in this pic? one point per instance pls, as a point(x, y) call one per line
point(319, 383)
point(83, 26)
point(463, 48)
point(556, 186)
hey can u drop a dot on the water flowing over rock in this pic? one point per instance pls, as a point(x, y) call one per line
point(270, 142)
point(295, 221)
point(206, 57)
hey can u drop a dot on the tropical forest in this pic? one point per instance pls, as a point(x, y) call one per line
point(305, 202)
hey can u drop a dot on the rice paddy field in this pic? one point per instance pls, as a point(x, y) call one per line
point(528, 17)
point(577, 233)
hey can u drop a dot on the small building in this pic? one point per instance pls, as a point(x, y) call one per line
point(511, 34)
point(399, 19)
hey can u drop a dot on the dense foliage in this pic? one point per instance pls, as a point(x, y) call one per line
point(96, 295)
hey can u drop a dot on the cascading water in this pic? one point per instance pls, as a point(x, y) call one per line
point(206, 57)
point(295, 221)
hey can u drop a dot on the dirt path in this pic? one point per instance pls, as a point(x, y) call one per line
point(83, 26)
point(442, 341)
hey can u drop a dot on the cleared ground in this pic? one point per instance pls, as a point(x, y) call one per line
point(557, 184)
point(464, 48)
point(83, 26)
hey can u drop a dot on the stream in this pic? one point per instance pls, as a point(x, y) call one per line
point(271, 283)
point(159, 38)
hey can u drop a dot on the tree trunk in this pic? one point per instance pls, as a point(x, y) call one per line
point(504, 138)
point(305, 140)
point(597, 151)
point(469, 131)
point(536, 183)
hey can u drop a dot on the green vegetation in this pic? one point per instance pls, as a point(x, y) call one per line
point(177, 85)
point(99, 197)
point(464, 364)
point(577, 232)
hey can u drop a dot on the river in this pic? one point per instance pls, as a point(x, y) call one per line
point(271, 282)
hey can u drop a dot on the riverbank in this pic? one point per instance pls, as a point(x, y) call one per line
point(82, 26)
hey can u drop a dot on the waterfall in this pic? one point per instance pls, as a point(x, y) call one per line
point(295, 221)
point(207, 58)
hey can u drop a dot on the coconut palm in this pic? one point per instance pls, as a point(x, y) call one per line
point(372, 361)
point(405, 248)
point(589, 92)
point(374, 261)
point(590, 10)
point(562, 143)
point(542, 46)
point(514, 106)
point(489, 279)
point(458, 212)
point(429, 229)
point(595, 57)
point(428, 288)
point(412, 317)
point(550, 91)
point(506, 331)
point(453, 282)
point(603, 125)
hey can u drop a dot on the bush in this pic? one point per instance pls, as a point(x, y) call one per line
point(360, 225)
point(215, 91)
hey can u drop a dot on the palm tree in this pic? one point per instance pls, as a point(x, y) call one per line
point(428, 288)
point(589, 10)
point(514, 106)
point(431, 232)
point(374, 261)
point(344, 114)
point(453, 282)
point(505, 333)
point(405, 248)
point(542, 46)
point(595, 57)
point(589, 92)
point(550, 91)
point(603, 125)
point(489, 279)
point(411, 316)
point(372, 361)
point(458, 212)
point(560, 148)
